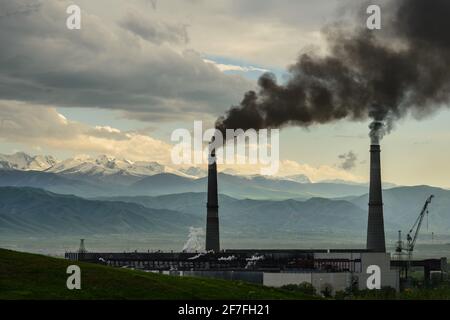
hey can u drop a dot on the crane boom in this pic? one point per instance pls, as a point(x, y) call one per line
point(414, 232)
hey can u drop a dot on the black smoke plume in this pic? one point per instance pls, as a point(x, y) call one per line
point(382, 75)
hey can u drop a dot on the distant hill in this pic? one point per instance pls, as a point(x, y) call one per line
point(386, 185)
point(92, 183)
point(163, 183)
point(35, 211)
point(403, 204)
point(401, 207)
point(253, 217)
point(192, 202)
point(52, 182)
point(36, 277)
point(257, 187)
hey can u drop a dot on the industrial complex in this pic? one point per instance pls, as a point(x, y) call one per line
point(331, 270)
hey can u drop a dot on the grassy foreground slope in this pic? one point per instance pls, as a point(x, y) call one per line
point(30, 276)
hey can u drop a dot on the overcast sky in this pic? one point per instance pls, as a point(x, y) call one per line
point(140, 68)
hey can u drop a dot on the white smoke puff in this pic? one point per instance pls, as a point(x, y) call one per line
point(253, 260)
point(229, 258)
point(195, 240)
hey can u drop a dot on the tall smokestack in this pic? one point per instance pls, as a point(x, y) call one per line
point(212, 207)
point(375, 227)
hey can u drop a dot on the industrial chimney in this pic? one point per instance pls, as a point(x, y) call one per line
point(375, 227)
point(212, 206)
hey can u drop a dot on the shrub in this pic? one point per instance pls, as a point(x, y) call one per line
point(385, 293)
point(304, 287)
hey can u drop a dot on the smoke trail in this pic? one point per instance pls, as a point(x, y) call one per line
point(381, 75)
point(194, 242)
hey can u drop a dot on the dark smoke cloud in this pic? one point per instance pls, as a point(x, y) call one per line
point(381, 75)
point(348, 160)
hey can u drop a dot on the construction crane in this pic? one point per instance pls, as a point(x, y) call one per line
point(413, 234)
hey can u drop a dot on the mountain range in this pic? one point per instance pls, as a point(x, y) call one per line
point(101, 168)
point(257, 187)
point(22, 161)
point(30, 211)
point(268, 217)
point(402, 207)
point(103, 176)
point(104, 167)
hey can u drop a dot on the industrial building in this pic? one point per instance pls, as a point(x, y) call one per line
point(332, 269)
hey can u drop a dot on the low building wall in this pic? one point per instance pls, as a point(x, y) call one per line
point(319, 280)
point(282, 279)
point(248, 276)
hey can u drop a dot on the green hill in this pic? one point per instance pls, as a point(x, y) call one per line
point(33, 211)
point(30, 276)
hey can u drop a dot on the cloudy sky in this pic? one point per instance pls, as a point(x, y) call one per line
point(139, 69)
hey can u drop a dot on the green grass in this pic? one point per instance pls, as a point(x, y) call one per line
point(440, 292)
point(36, 277)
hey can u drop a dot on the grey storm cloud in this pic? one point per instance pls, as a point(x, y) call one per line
point(106, 65)
point(348, 160)
point(155, 31)
point(300, 13)
point(13, 8)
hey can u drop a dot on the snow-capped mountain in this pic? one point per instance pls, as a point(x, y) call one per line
point(117, 171)
point(104, 166)
point(109, 169)
point(24, 162)
point(194, 172)
point(300, 178)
